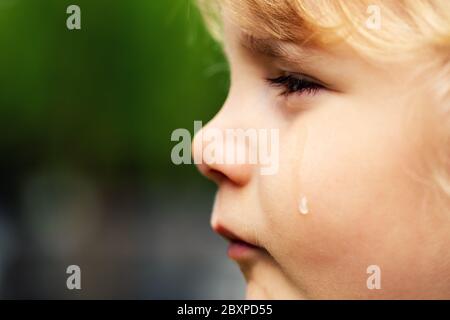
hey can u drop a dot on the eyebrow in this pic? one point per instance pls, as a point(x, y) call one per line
point(305, 58)
point(285, 51)
point(267, 47)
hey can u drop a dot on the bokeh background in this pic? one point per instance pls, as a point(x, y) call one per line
point(86, 118)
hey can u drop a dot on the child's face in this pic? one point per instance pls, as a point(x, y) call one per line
point(352, 149)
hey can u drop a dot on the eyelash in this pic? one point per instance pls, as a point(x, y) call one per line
point(292, 84)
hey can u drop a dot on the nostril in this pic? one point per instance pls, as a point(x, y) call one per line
point(216, 175)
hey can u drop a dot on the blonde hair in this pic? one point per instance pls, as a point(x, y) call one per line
point(406, 27)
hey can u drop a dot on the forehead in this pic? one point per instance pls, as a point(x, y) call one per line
point(287, 52)
point(265, 19)
point(285, 20)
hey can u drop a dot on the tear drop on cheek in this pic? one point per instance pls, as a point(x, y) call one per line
point(303, 205)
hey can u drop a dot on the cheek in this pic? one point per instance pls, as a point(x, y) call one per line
point(361, 201)
point(279, 194)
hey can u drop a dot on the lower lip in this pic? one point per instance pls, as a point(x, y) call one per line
point(238, 250)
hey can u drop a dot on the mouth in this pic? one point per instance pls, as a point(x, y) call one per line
point(239, 249)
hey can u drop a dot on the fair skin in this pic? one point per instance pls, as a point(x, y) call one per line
point(353, 149)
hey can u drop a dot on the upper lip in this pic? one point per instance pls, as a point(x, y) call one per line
point(231, 236)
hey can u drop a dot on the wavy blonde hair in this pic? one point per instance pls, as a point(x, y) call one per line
point(407, 27)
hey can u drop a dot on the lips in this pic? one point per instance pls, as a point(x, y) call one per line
point(238, 249)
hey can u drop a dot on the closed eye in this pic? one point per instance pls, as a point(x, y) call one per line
point(296, 84)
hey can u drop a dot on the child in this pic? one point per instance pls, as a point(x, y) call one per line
point(358, 92)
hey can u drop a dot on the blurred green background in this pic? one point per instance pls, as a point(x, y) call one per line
point(86, 176)
point(107, 97)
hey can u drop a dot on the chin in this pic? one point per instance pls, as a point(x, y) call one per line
point(256, 292)
point(275, 291)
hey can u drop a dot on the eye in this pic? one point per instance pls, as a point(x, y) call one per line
point(296, 83)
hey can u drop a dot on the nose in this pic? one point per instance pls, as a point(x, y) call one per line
point(215, 153)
